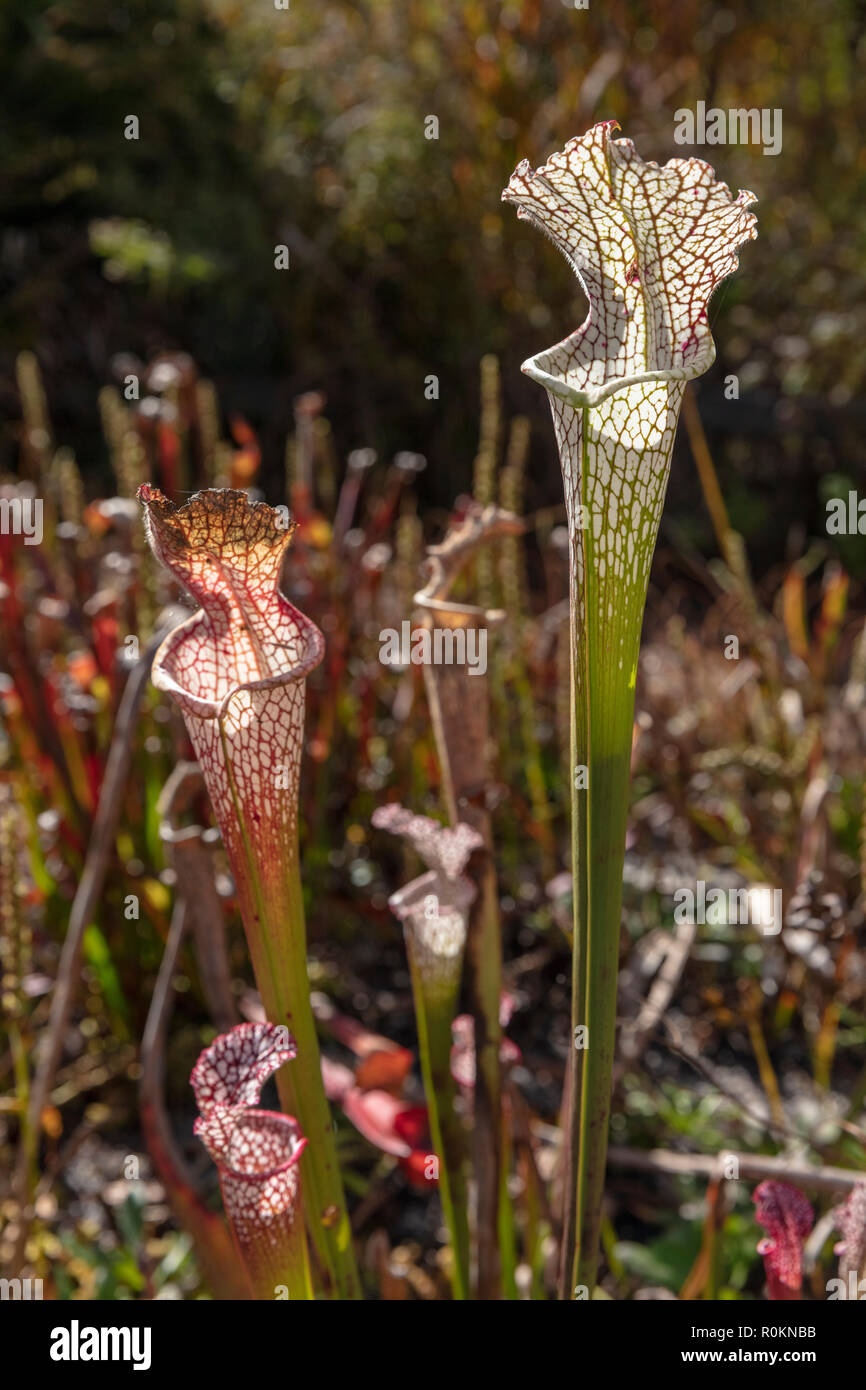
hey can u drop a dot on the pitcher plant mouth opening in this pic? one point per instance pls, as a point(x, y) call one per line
point(228, 552)
point(255, 1146)
point(648, 245)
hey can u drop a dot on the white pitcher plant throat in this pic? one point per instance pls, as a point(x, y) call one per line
point(649, 245)
point(237, 669)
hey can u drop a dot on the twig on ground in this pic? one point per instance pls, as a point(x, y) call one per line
point(749, 1167)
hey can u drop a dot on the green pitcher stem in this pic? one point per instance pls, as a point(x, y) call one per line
point(484, 988)
point(286, 996)
point(463, 758)
point(595, 1004)
point(574, 1064)
point(434, 1012)
point(601, 734)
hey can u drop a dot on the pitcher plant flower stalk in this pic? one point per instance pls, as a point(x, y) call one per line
point(257, 1153)
point(434, 909)
point(648, 245)
point(237, 669)
point(459, 701)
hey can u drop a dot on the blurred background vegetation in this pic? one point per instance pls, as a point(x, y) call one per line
point(306, 127)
